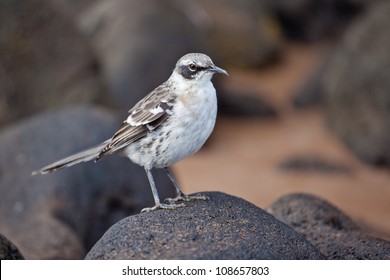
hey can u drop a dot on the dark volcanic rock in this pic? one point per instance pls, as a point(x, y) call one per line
point(8, 251)
point(327, 228)
point(357, 85)
point(62, 214)
point(225, 227)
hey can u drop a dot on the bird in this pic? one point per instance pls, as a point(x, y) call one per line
point(169, 124)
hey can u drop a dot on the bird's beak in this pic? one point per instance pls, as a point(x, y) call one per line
point(216, 69)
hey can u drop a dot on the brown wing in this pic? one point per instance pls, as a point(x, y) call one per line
point(151, 107)
point(145, 116)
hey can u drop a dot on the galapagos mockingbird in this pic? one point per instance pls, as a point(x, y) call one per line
point(170, 123)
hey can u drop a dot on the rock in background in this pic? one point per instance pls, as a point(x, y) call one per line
point(328, 229)
point(310, 20)
point(357, 84)
point(45, 62)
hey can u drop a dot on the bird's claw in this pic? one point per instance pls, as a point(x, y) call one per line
point(162, 206)
point(186, 198)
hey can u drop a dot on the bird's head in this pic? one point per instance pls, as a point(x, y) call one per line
point(196, 67)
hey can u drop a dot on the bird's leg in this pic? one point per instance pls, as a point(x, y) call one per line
point(180, 196)
point(158, 205)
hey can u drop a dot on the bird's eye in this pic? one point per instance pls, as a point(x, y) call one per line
point(192, 67)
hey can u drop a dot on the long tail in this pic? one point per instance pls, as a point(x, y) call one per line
point(83, 156)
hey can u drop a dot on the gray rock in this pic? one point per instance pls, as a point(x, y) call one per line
point(225, 227)
point(327, 228)
point(62, 214)
point(357, 85)
point(45, 62)
point(8, 251)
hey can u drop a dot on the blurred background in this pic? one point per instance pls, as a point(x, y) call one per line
point(306, 107)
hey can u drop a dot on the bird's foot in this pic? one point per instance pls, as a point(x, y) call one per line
point(186, 198)
point(163, 206)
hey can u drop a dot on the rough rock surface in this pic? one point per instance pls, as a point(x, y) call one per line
point(62, 214)
point(224, 227)
point(327, 228)
point(8, 251)
point(357, 85)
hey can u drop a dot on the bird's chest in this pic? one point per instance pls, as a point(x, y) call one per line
point(196, 113)
point(190, 124)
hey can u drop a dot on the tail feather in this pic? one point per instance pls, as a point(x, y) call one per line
point(83, 156)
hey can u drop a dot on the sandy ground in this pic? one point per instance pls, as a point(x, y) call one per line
point(244, 155)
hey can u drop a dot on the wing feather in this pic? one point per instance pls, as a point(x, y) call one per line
point(152, 107)
point(144, 117)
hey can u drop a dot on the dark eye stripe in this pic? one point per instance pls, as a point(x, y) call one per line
point(200, 68)
point(188, 73)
